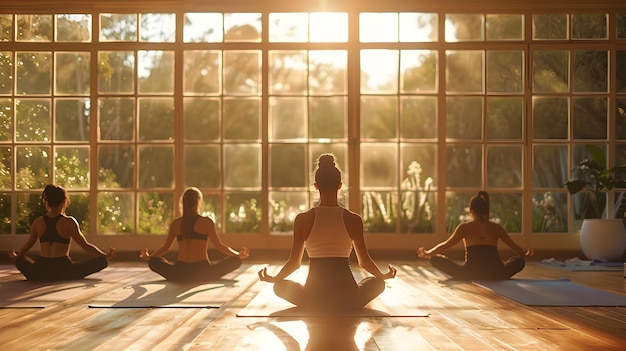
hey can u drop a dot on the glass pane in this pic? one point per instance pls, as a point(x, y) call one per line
point(328, 71)
point(505, 27)
point(117, 119)
point(505, 71)
point(464, 71)
point(33, 167)
point(418, 71)
point(242, 72)
point(6, 27)
point(379, 71)
point(156, 119)
point(379, 117)
point(212, 208)
point(73, 28)
point(550, 167)
point(549, 212)
point(32, 120)
point(116, 72)
point(550, 71)
point(464, 168)
point(155, 70)
point(328, 118)
point(203, 28)
point(591, 71)
point(620, 119)
point(418, 27)
point(378, 27)
point(5, 214)
point(550, 26)
point(37, 28)
point(550, 118)
point(418, 117)
point(6, 72)
point(284, 206)
point(156, 167)
point(202, 119)
point(72, 119)
point(590, 26)
point(28, 207)
point(71, 167)
point(34, 72)
point(242, 165)
point(6, 120)
point(288, 27)
point(202, 166)
point(288, 72)
point(464, 117)
point(158, 27)
point(72, 72)
point(418, 196)
point(328, 27)
point(155, 212)
point(242, 118)
point(288, 118)
point(379, 211)
point(589, 116)
point(116, 213)
point(243, 212)
point(116, 166)
point(505, 118)
point(202, 72)
point(504, 166)
point(457, 205)
point(379, 165)
point(242, 27)
point(118, 27)
point(6, 171)
point(621, 26)
point(464, 27)
point(506, 210)
point(620, 71)
point(287, 166)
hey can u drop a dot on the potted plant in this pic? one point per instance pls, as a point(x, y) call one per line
point(601, 237)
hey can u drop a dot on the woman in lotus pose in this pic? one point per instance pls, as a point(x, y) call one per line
point(480, 237)
point(328, 232)
point(54, 230)
point(193, 232)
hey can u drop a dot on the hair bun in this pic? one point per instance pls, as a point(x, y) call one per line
point(326, 160)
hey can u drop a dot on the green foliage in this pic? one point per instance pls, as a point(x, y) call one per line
point(243, 218)
point(154, 214)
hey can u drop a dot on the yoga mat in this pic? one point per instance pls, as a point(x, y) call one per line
point(557, 292)
point(395, 301)
point(8, 270)
point(576, 267)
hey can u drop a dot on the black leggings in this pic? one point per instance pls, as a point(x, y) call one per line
point(330, 286)
point(482, 262)
point(59, 268)
point(193, 271)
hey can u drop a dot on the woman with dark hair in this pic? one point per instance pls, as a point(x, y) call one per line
point(480, 237)
point(54, 231)
point(328, 232)
point(193, 232)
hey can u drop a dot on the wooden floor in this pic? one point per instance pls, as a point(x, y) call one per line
point(462, 317)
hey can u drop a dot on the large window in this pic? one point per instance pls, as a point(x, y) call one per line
point(422, 107)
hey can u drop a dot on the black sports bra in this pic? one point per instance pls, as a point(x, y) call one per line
point(51, 235)
point(193, 234)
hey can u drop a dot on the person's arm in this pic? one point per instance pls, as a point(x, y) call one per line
point(219, 244)
point(163, 249)
point(506, 238)
point(76, 234)
point(445, 245)
point(354, 225)
point(295, 255)
point(32, 239)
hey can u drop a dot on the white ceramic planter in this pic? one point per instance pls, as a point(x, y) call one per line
point(603, 238)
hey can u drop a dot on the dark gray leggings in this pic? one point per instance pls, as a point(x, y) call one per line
point(330, 286)
point(193, 271)
point(482, 263)
point(59, 268)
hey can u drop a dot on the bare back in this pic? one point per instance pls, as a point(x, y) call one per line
point(193, 250)
point(481, 233)
point(64, 228)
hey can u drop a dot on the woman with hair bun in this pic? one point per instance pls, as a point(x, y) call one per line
point(328, 232)
point(54, 231)
point(480, 237)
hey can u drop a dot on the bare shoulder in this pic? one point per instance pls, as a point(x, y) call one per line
point(305, 217)
point(352, 217)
